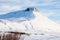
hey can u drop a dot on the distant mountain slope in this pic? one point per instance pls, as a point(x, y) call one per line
point(21, 14)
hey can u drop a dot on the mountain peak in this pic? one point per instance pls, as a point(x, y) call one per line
point(30, 9)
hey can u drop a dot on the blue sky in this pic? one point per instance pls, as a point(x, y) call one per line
point(50, 8)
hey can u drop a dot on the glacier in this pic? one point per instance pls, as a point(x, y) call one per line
point(30, 21)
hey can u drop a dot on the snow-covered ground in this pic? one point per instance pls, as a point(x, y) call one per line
point(30, 21)
point(43, 37)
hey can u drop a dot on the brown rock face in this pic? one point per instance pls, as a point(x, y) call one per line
point(11, 36)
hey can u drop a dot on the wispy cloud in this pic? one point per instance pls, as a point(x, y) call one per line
point(7, 8)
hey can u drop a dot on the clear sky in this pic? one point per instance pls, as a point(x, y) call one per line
point(50, 8)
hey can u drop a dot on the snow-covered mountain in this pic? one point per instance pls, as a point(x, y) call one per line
point(29, 20)
point(26, 14)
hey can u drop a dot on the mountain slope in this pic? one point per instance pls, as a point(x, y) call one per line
point(20, 15)
point(29, 20)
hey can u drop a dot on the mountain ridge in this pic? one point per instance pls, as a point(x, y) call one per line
point(37, 23)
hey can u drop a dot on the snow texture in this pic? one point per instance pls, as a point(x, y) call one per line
point(32, 22)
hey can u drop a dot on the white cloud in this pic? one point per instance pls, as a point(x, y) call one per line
point(31, 2)
point(7, 8)
point(47, 12)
